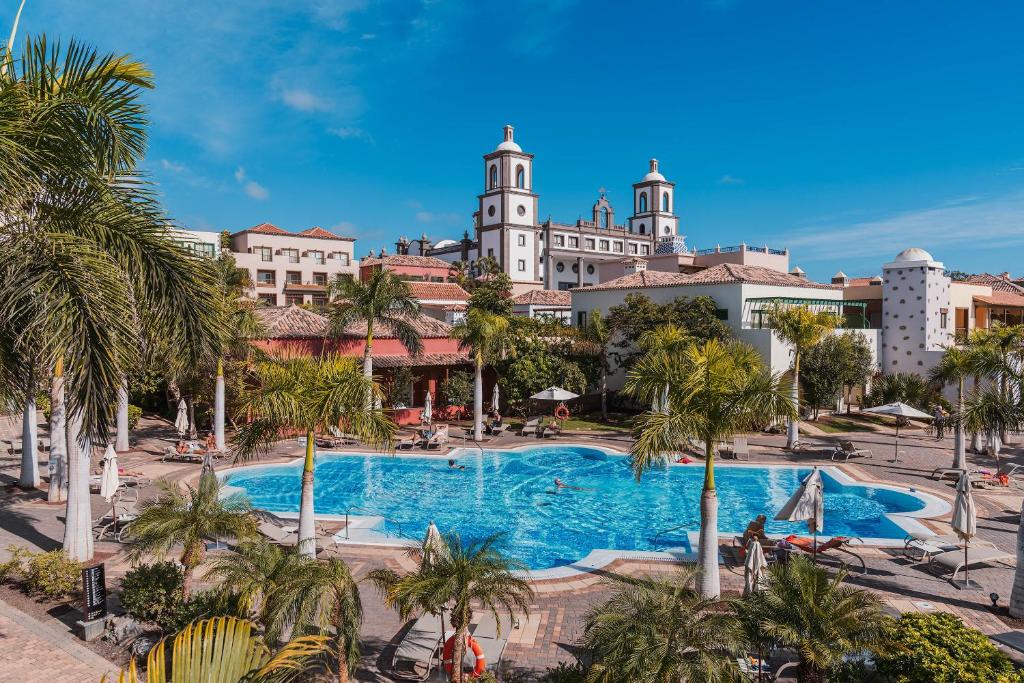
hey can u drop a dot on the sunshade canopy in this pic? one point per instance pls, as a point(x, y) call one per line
point(898, 409)
point(554, 394)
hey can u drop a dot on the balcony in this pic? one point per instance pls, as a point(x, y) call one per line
point(266, 283)
point(305, 287)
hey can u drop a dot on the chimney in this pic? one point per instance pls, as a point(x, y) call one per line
point(402, 246)
point(425, 244)
point(1005, 276)
point(634, 265)
point(840, 279)
point(654, 165)
point(508, 133)
point(798, 272)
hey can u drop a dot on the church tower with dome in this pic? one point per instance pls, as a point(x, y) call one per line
point(917, 323)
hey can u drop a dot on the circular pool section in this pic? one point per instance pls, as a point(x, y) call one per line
point(513, 493)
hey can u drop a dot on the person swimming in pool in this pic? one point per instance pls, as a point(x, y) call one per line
point(453, 465)
point(559, 484)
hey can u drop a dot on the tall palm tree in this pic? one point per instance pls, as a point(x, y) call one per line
point(188, 518)
point(88, 266)
point(383, 299)
point(250, 576)
point(715, 390)
point(58, 489)
point(288, 395)
point(1017, 591)
point(467, 577)
point(801, 328)
point(319, 597)
point(820, 617)
point(957, 364)
point(657, 630)
point(461, 273)
point(599, 334)
point(486, 336)
point(988, 411)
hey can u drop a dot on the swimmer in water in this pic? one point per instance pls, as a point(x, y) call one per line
point(562, 485)
point(452, 465)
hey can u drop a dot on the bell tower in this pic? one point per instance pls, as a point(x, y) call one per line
point(654, 206)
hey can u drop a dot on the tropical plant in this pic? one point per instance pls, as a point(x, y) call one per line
point(304, 394)
point(818, 616)
point(152, 592)
point(381, 300)
point(802, 328)
point(461, 274)
point(657, 630)
point(988, 411)
point(227, 650)
point(697, 317)
point(250, 576)
point(599, 334)
point(836, 362)
point(714, 391)
point(188, 518)
point(485, 335)
point(51, 574)
point(937, 647)
point(321, 597)
point(493, 292)
point(956, 365)
point(467, 577)
point(457, 389)
point(905, 387)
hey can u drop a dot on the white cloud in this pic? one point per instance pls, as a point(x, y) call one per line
point(251, 187)
point(368, 36)
point(434, 217)
point(344, 228)
point(730, 180)
point(351, 133)
point(172, 166)
point(304, 100)
point(240, 174)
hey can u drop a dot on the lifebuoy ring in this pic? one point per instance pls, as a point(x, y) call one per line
point(449, 649)
point(562, 412)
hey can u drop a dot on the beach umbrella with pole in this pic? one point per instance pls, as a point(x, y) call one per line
point(495, 397)
point(807, 504)
point(181, 421)
point(754, 567)
point(899, 410)
point(109, 481)
point(965, 521)
point(428, 408)
point(554, 394)
point(434, 549)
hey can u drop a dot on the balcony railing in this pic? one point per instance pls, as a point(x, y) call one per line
point(743, 247)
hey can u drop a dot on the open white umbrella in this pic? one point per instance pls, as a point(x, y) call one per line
point(898, 410)
point(808, 503)
point(181, 421)
point(495, 396)
point(554, 394)
point(428, 408)
point(109, 481)
point(965, 521)
point(753, 566)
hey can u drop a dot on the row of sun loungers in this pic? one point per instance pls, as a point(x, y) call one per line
point(418, 653)
point(532, 426)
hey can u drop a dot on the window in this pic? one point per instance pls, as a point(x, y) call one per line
point(293, 278)
point(604, 217)
point(521, 240)
point(588, 243)
point(643, 229)
point(490, 210)
point(590, 269)
point(204, 249)
point(268, 299)
point(319, 301)
point(645, 249)
point(643, 203)
point(575, 267)
point(581, 318)
point(559, 240)
point(632, 248)
point(320, 279)
point(722, 313)
point(292, 254)
point(344, 258)
point(617, 247)
point(293, 300)
point(522, 265)
point(265, 277)
point(494, 176)
point(266, 253)
point(490, 252)
point(943, 315)
point(520, 177)
point(667, 230)
point(574, 242)
point(318, 257)
point(664, 201)
point(560, 266)
point(604, 244)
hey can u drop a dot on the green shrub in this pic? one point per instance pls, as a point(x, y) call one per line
point(134, 413)
point(51, 574)
point(938, 648)
point(202, 605)
point(152, 592)
point(565, 673)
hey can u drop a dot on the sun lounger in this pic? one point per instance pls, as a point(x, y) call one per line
point(551, 430)
point(836, 543)
point(439, 438)
point(415, 655)
point(498, 431)
point(492, 638)
point(289, 537)
point(740, 449)
point(410, 442)
point(696, 445)
point(530, 427)
point(953, 560)
point(847, 450)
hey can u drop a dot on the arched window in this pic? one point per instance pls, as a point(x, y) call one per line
point(494, 176)
point(643, 203)
point(604, 217)
point(520, 177)
point(643, 229)
point(664, 201)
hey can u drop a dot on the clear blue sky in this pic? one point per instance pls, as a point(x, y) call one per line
point(845, 131)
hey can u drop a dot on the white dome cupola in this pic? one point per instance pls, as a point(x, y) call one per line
point(654, 205)
point(509, 143)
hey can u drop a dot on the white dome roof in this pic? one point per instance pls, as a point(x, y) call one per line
point(654, 175)
point(445, 243)
point(508, 146)
point(913, 254)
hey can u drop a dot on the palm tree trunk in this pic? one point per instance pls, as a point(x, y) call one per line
point(342, 648)
point(121, 444)
point(218, 409)
point(191, 558)
point(29, 445)
point(604, 392)
point(368, 362)
point(307, 524)
point(478, 400)
point(58, 465)
point(708, 582)
point(458, 653)
point(78, 518)
point(192, 431)
point(1017, 593)
point(959, 451)
point(793, 432)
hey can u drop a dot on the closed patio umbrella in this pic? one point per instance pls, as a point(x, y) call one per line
point(898, 410)
point(434, 547)
point(109, 481)
point(965, 521)
point(753, 566)
point(495, 396)
point(808, 503)
point(181, 421)
point(428, 408)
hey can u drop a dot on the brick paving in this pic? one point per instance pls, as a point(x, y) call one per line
point(547, 635)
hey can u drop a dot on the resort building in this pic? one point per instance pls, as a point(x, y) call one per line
point(544, 304)
point(205, 243)
point(292, 268)
point(428, 280)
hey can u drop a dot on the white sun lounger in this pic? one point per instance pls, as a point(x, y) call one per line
point(953, 560)
point(491, 638)
point(530, 427)
point(415, 655)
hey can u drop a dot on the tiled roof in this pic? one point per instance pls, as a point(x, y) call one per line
point(996, 282)
point(724, 273)
point(547, 297)
point(862, 281)
point(265, 229)
point(293, 322)
point(422, 359)
point(406, 260)
point(448, 291)
point(315, 232)
point(321, 234)
point(999, 298)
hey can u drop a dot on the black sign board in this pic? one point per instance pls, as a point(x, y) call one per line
point(94, 585)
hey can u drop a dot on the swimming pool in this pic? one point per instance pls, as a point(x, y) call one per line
point(512, 492)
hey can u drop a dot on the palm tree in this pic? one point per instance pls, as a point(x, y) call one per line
point(188, 519)
point(251, 575)
point(288, 395)
point(467, 577)
point(486, 335)
point(461, 273)
point(227, 650)
point(319, 597)
point(801, 328)
point(1017, 591)
point(715, 390)
point(599, 334)
point(658, 630)
point(383, 299)
point(88, 266)
point(820, 617)
point(988, 411)
point(58, 490)
point(957, 364)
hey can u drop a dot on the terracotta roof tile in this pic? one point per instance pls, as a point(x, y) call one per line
point(639, 280)
point(265, 229)
point(996, 282)
point(999, 298)
point(315, 232)
point(293, 322)
point(422, 359)
point(547, 297)
point(724, 273)
point(406, 260)
point(448, 291)
point(319, 233)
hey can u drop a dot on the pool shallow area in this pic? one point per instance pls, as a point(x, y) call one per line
point(512, 492)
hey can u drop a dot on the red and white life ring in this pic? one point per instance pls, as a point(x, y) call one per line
point(562, 412)
point(449, 649)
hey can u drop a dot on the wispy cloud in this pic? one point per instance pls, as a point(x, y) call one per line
point(251, 187)
point(172, 166)
point(980, 222)
point(730, 180)
point(351, 133)
point(303, 100)
point(423, 215)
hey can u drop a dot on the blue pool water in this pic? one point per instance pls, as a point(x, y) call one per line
point(513, 492)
